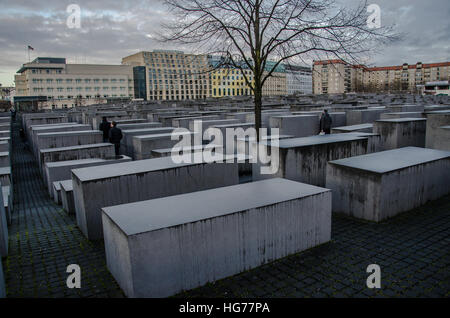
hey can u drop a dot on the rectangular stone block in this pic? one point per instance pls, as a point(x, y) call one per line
point(296, 125)
point(367, 128)
point(56, 189)
point(98, 187)
point(7, 203)
point(4, 238)
point(164, 246)
point(4, 146)
point(143, 145)
point(4, 159)
point(435, 120)
point(305, 159)
point(126, 144)
point(442, 138)
point(402, 115)
point(184, 122)
point(381, 185)
point(67, 139)
point(102, 151)
point(363, 116)
point(62, 170)
point(67, 196)
point(210, 123)
point(401, 132)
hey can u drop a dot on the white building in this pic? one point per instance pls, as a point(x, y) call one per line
point(52, 83)
point(298, 79)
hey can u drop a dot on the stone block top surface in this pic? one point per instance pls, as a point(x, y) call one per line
point(5, 170)
point(400, 120)
point(162, 136)
point(315, 140)
point(391, 160)
point(145, 130)
point(66, 185)
point(126, 168)
point(445, 127)
point(76, 147)
point(70, 133)
point(151, 215)
point(354, 127)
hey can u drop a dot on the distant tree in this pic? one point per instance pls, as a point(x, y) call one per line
point(259, 35)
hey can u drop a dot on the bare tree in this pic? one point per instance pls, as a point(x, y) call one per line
point(259, 35)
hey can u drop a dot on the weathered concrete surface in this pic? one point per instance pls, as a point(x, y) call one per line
point(442, 138)
point(144, 145)
point(144, 125)
point(4, 146)
point(435, 120)
point(67, 196)
point(374, 143)
point(7, 203)
point(126, 144)
point(402, 115)
point(265, 116)
point(378, 186)
point(98, 187)
point(184, 122)
point(61, 170)
point(363, 116)
point(35, 130)
point(406, 108)
point(4, 159)
point(103, 151)
point(305, 159)
point(401, 132)
point(210, 123)
point(155, 249)
point(3, 229)
point(367, 128)
point(296, 125)
point(56, 189)
point(67, 139)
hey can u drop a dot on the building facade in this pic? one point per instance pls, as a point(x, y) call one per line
point(170, 75)
point(337, 77)
point(298, 80)
point(55, 84)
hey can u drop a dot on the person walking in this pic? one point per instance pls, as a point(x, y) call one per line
point(325, 123)
point(13, 114)
point(115, 136)
point(105, 126)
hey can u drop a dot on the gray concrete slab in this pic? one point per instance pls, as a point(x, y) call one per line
point(62, 170)
point(67, 196)
point(380, 185)
point(235, 229)
point(401, 132)
point(368, 128)
point(121, 183)
point(305, 159)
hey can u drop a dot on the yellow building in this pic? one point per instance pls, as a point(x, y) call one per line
point(230, 82)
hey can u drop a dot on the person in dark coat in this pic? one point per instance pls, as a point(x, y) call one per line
point(105, 126)
point(325, 123)
point(115, 136)
point(13, 114)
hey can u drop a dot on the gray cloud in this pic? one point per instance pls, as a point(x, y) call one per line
point(114, 29)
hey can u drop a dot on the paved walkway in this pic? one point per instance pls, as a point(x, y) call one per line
point(412, 249)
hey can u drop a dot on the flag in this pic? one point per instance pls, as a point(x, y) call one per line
point(30, 48)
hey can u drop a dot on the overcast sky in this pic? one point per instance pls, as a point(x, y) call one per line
point(112, 29)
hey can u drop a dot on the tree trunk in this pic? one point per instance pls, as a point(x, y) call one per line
point(258, 106)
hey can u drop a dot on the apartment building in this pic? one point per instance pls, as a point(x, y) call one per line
point(276, 84)
point(170, 75)
point(337, 77)
point(49, 82)
point(227, 81)
point(298, 79)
